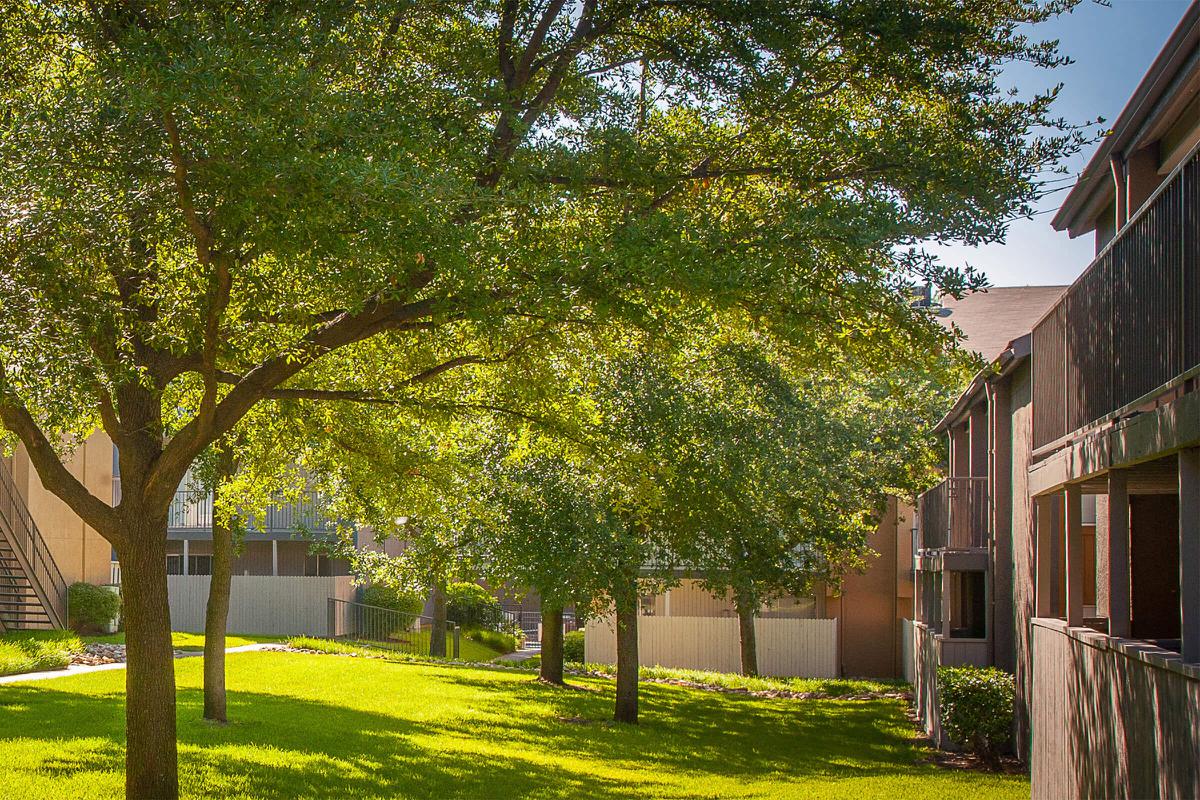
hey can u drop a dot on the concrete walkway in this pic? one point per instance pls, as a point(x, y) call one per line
point(83, 669)
point(522, 654)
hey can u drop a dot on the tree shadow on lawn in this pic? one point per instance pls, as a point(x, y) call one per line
point(278, 747)
point(708, 732)
point(510, 741)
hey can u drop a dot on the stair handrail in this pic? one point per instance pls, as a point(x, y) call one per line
point(18, 526)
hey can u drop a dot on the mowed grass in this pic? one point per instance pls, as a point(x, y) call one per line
point(324, 726)
point(192, 642)
point(416, 648)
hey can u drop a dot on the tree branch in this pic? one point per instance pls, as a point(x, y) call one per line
point(53, 473)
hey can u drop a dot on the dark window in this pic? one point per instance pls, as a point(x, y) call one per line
point(200, 565)
point(175, 565)
point(970, 617)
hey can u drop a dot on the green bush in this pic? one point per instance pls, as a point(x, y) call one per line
point(977, 709)
point(92, 608)
point(34, 651)
point(496, 640)
point(469, 605)
point(396, 599)
point(573, 647)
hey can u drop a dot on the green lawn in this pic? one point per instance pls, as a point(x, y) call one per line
point(192, 641)
point(322, 726)
point(416, 648)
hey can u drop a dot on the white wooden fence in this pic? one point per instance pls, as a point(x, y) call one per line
point(786, 647)
point(265, 604)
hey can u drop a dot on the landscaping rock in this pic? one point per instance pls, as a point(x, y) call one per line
point(96, 653)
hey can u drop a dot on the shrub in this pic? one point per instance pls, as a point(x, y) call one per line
point(34, 651)
point(496, 640)
point(469, 605)
point(92, 608)
point(384, 596)
point(573, 647)
point(977, 709)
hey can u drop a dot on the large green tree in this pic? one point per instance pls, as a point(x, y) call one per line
point(228, 197)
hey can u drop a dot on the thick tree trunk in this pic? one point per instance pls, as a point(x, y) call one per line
point(150, 752)
point(216, 620)
point(437, 635)
point(552, 644)
point(626, 601)
point(746, 607)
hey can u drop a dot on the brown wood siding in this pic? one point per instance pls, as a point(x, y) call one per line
point(1108, 724)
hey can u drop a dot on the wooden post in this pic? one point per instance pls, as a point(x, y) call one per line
point(1073, 549)
point(185, 557)
point(1189, 553)
point(947, 590)
point(1046, 591)
point(275, 557)
point(1118, 553)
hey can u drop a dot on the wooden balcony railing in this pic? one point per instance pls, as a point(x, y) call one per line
point(1130, 325)
point(954, 515)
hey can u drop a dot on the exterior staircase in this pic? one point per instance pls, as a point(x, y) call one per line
point(33, 594)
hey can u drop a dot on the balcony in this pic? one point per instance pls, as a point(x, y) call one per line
point(1128, 330)
point(954, 515)
point(192, 513)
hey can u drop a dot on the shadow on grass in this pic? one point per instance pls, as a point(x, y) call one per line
point(509, 737)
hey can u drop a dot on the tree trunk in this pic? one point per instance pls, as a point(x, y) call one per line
point(626, 601)
point(216, 619)
point(150, 753)
point(437, 635)
point(745, 611)
point(552, 644)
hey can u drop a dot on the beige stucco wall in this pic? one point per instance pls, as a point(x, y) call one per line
point(871, 604)
point(80, 552)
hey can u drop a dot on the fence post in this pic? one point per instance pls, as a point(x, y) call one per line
point(457, 641)
point(330, 623)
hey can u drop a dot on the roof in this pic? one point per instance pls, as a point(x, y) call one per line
point(992, 318)
point(1013, 354)
point(1134, 126)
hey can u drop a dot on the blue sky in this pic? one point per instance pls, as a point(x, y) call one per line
point(1112, 47)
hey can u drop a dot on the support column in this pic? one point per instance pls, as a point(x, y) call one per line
point(185, 557)
point(1118, 553)
point(1189, 553)
point(947, 590)
point(274, 557)
point(1073, 550)
point(1046, 590)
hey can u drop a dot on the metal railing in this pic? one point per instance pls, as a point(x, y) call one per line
point(530, 622)
point(1130, 324)
point(192, 510)
point(385, 627)
point(21, 532)
point(954, 515)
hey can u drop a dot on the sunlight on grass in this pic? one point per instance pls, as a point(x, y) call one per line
point(468, 650)
point(315, 726)
point(192, 641)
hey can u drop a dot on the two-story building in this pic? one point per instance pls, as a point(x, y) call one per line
point(1065, 543)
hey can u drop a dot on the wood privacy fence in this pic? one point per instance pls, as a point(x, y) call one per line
point(786, 647)
point(265, 604)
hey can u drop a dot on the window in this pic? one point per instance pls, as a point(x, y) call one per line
point(200, 565)
point(968, 612)
point(175, 565)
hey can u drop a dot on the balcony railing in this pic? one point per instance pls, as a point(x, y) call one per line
point(192, 510)
point(954, 515)
point(1130, 325)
